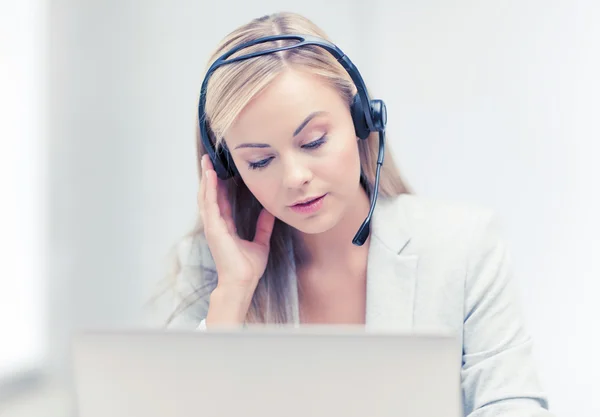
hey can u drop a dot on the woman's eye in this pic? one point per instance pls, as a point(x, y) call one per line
point(259, 164)
point(312, 145)
point(316, 143)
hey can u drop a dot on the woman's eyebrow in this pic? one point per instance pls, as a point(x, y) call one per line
point(308, 119)
point(296, 132)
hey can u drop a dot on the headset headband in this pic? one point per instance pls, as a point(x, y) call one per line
point(304, 40)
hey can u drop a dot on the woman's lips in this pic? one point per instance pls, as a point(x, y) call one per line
point(310, 207)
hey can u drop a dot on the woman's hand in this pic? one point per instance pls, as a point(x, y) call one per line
point(240, 263)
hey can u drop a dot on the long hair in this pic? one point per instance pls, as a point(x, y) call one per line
point(229, 90)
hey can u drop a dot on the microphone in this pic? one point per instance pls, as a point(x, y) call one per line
point(363, 232)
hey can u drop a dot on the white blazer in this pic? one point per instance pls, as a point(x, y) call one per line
point(440, 265)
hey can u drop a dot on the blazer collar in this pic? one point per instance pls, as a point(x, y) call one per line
point(391, 268)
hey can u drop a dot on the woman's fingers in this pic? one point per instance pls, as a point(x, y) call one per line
point(264, 228)
point(202, 190)
point(213, 221)
point(225, 207)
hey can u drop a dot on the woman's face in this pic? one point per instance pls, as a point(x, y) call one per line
point(296, 142)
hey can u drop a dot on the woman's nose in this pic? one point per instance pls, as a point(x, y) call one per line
point(296, 173)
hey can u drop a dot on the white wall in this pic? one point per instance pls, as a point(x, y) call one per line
point(497, 103)
point(22, 173)
point(492, 102)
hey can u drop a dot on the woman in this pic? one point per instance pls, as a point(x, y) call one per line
point(277, 238)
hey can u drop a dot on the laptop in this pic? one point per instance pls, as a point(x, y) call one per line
point(309, 372)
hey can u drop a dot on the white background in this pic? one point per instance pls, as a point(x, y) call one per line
point(494, 103)
point(22, 188)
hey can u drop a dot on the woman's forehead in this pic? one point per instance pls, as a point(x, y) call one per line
point(283, 106)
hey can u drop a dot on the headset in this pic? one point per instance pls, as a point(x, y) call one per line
point(367, 115)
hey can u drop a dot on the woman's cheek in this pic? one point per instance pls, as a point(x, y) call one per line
point(265, 190)
point(346, 163)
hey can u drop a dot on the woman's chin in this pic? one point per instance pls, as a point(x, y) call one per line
point(314, 225)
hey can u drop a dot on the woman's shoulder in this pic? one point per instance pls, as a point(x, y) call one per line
point(192, 252)
point(195, 267)
point(193, 278)
point(446, 214)
point(439, 224)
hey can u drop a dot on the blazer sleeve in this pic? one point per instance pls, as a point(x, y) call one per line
point(499, 376)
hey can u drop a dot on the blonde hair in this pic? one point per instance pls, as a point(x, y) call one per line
point(229, 90)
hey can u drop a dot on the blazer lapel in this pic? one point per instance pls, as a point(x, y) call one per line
point(391, 269)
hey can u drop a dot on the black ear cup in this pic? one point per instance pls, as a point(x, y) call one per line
point(219, 156)
point(358, 117)
point(378, 116)
point(226, 168)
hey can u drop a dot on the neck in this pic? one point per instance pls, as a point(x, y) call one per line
point(335, 247)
